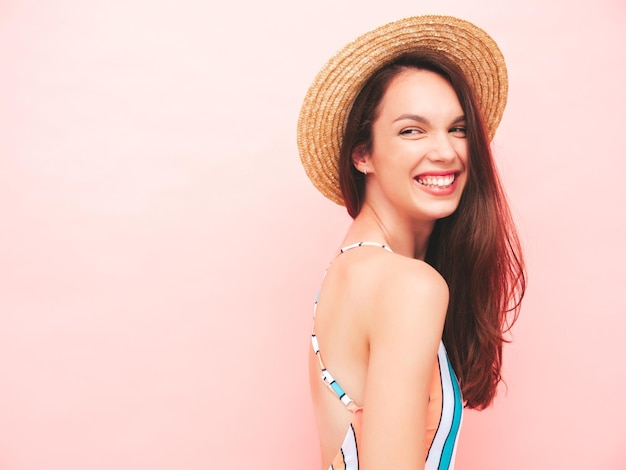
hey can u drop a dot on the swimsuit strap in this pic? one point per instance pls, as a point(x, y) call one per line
point(356, 245)
point(327, 377)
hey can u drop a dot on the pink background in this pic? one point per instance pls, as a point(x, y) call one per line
point(160, 245)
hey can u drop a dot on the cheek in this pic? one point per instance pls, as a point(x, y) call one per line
point(463, 152)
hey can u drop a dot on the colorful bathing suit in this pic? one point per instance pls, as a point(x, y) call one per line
point(445, 408)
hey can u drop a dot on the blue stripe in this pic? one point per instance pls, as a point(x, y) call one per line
point(448, 447)
point(338, 390)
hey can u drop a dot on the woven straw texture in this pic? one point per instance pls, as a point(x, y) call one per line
point(330, 97)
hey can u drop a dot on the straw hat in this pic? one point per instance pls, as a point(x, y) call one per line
point(330, 97)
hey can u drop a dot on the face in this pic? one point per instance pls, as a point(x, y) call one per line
point(417, 166)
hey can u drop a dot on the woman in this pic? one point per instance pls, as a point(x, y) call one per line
point(411, 314)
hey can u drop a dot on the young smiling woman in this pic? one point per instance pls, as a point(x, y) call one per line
point(410, 317)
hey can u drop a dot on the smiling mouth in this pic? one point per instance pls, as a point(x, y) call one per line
point(436, 182)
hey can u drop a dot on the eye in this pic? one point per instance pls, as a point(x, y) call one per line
point(458, 130)
point(411, 131)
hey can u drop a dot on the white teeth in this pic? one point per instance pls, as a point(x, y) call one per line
point(436, 181)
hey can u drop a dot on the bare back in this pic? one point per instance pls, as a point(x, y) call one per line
point(361, 293)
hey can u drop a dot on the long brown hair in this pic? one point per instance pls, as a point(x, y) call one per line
point(476, 249)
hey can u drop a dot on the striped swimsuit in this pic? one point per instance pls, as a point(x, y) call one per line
point(444, 414)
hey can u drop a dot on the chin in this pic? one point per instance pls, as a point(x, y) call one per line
point(443, 212)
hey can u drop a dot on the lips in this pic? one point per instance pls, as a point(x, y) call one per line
point(436, 181)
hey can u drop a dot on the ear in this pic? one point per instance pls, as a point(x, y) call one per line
point(360, 159)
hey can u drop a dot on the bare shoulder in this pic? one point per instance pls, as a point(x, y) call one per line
point(406, 293)
point(402, 275)
point(394, 292)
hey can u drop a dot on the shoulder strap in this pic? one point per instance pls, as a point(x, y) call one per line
point(356, 245)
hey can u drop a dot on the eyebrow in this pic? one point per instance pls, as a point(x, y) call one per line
point(422, 119)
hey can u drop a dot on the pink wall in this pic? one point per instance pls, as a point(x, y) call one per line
point(160, 245)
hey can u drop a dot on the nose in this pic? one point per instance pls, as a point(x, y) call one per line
point(442, 149)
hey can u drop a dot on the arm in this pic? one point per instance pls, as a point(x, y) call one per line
point(404, 327)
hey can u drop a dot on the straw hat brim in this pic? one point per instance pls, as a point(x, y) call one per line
point(329, 99)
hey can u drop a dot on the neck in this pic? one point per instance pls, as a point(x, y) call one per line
point(407, 238)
